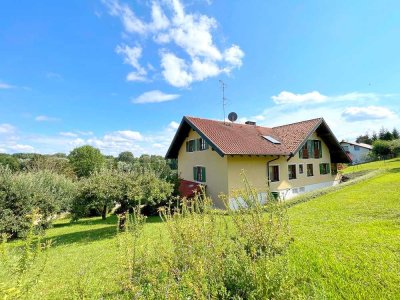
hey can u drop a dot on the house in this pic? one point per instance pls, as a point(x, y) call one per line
point(358, 152)
point(290, 159)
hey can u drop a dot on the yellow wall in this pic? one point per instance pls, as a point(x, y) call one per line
point(216, 168)
point(256, 170)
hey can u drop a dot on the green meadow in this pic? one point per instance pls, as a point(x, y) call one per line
point(345, 245)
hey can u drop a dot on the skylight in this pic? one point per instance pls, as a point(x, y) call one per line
point(271, 139)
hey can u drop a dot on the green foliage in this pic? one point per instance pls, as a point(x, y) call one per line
point(106, 188)
point(126, 156)
point(86, 160)
point(24, 265)
point(21, 193)
point(53, 163)
point(10, 161)
point(381, 148)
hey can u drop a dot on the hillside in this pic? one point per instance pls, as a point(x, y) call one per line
point(346, 245)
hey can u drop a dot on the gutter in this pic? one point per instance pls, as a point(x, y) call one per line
point(290, 156)
point(268, 181)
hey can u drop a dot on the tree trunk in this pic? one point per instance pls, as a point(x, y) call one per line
point(104, 212)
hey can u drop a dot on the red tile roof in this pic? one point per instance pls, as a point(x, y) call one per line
point(243, 139)
point(232, 138)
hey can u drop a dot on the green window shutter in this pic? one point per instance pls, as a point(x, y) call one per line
point(310, 149)
point(187, 146)
point(320, 149)
point(328, 168)
point(206, 146)
point(321, 168)
point(195, 173)
point(203, 174)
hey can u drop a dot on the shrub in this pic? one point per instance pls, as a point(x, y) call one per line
point(21, 193)
point(381, 148)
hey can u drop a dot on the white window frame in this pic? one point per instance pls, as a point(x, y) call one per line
point(299, 168)
point(279, 173)
point(312, 170)
point(295, 171)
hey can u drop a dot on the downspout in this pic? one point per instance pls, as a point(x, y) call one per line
point(290, 156)
point(268, 181)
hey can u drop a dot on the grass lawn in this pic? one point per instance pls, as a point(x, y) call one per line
point(346, 246)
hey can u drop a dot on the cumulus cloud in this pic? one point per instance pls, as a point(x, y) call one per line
point(173, 125)
point(352, 114)
point(192, 33)
point(285, 97)
point(43, 118)
point(155, 96)
point(131, 57)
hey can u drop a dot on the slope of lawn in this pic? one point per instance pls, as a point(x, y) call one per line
point(380, 164)
point(346, 246)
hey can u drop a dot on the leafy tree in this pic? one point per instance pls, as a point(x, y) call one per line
point(86, 160)
point(51, 163)
point(395, 147)
point(381, 148)
point(10, 161)
point(395, 134)
point(126, 156)
point(107, 188)
point(364, 139)
point(374, 136)
point(22, 193)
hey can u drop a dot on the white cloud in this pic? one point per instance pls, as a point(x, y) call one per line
point(154, 97)
point(131, 57)
point(190, 32)
point(175, 71)
point(352, 114)
point(43, 118)
point(83, 132)
point(285, 97)
point(68, 134)
point(173, 125)
point(21, 148)
point(129, 135)
point(6, 129)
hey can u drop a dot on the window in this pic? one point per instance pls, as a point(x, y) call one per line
point(311, 149)
point(202, 144)
point(199, 174)
point(292, 171)
point(301, 168)
point(324, 168)
point(345, 148)
point(356, 148)
point(190, 146)
point(334, 169)
point(310, 170)
point(274, 173)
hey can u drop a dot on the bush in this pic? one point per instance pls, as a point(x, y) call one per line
point(381, 148)
point(22, 193)
point(211, 256)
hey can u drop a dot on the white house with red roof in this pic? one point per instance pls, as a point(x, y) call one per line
point(287, 160)
point(358, 152)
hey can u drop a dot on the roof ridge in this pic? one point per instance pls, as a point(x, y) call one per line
point(304, 121)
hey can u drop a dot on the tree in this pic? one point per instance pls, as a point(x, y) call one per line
point(10, 161)
point(23, 193)
point(381, 148)
point(126, 156)
point(374, 136)
point(86, 160)
point(395, 134)
point(364, 139)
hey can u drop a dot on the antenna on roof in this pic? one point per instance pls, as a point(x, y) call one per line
point(223, 86)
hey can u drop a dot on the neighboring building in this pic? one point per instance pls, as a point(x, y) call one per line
point(290, 159)
point(358, 152)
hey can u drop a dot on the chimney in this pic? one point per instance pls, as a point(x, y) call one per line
point(250, 123)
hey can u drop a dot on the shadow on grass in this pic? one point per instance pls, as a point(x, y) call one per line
point(92, 235)
point(394, 170)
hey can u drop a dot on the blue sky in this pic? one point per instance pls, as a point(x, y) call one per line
point(119, 75)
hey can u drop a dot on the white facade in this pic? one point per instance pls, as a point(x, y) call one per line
point(358, 152)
